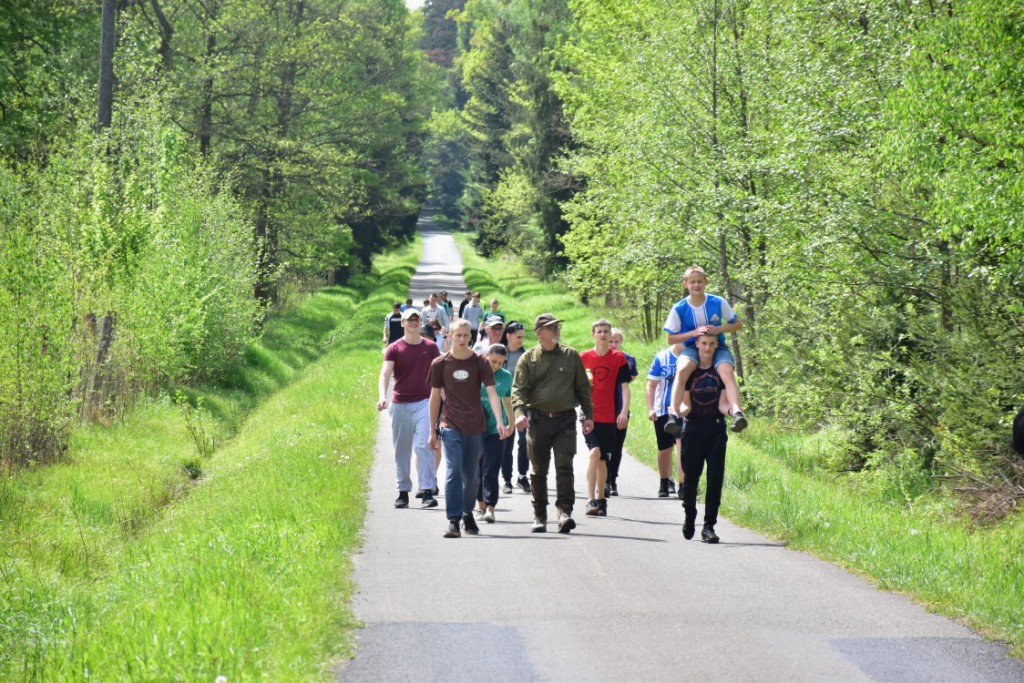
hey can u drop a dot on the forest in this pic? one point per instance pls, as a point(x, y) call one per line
point(849, 174)
point(170, 170)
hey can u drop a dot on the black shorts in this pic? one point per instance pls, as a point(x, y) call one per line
point(664, 439)
point(604, 438)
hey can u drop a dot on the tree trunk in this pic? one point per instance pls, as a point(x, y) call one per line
point(108, 44)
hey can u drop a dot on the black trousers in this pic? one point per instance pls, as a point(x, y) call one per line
point(616, 460)
point(700, 446)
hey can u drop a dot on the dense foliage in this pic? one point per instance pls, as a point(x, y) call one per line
point(248, 144)
point(848, 173)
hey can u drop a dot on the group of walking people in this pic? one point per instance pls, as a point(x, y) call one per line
point(482, 393)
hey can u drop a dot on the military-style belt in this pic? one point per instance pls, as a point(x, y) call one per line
point(559, 414)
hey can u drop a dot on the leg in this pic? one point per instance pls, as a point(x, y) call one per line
point(453, 485)
point(715, 456)
point(522, 459)
point(426, 466)
point(403, 429)
point(473, 447)
point(494, 449)
point(692, 462)
point(564, 446)
point(732, 390)
point(592, 466)
point(684, 368)
point(613, 464)
point(538, 441)
point(507, 446)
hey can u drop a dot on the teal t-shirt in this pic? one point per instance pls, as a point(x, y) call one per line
point(502, 385)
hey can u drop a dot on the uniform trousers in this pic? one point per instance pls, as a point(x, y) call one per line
point(546, 436)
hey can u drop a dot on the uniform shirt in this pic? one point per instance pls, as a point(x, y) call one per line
point(461, 381)
point(705, 387)
point(606, 373)
point(412, 366)
point(685, 317)
point(663, 370)
point(502, 385)
point(551, 382)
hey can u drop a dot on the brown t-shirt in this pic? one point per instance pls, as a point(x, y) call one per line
point(461, 381)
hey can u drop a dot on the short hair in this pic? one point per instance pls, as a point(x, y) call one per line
point(408, 302)
point(599, 323)
point(397, 304)
point(711, 337)
point(460, 323)
point(695, 269)
point(497, 349)
point(476, 294)
point(617, 331)
point(494, 301)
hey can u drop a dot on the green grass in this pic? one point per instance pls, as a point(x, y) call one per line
point(777, 482)
point(116, 565)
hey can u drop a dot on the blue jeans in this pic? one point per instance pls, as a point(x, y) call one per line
point(522, 461)
point(462, 458)
point(490, 463)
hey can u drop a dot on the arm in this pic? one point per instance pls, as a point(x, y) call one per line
point(506, 403)
point(382, 386)
point(583, 396)
point(495, 402)
point(684, 407)
point(677, 397)
point(652, 386)
point(685, 336)
point(623, 419)
point(434, 408)
point(520, 390)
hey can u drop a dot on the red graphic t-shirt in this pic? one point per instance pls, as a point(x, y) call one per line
point(605, 373)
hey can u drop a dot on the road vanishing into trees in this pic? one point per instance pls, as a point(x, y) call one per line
point(623, 598)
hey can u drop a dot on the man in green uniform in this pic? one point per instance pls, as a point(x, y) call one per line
point(550, 381)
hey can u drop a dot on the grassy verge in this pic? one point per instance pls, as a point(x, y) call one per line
point(146, 557)
point(776, 485)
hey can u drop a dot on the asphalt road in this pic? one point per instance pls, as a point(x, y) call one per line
point(624, 598)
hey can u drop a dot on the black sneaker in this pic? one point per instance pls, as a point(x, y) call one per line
point(602, 508)
point(507, 488)
point(539, 525)
point(671, 486)
point(428, 500)
point(436, 491)
point(419, 494)
point(613, 489)
point(688, 527)
point(607, 490)
point(453, 529)
point(679, 490)
point(591, 510)
point(565, 522)
point(469, 524)
point(524, 484)
point(663, 489)
point(403, 499)
point(672, 424)
point(739, 423)
point(708, 535)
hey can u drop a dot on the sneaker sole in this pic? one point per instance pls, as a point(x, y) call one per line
point(452, 534)
point(489, 520)
point(739, 425)
point(567, 526)
point(539, 529)
point(430, 504)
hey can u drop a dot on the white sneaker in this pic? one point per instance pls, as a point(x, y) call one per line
point(489, 517)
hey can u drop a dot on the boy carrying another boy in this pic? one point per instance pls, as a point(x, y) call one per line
point(608, 371)
point(701, 314)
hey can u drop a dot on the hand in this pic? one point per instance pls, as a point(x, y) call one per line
point(504, 432)
point(432, 440)
point(652, 415)
point(588, 426)
point(522, 423)
point(622, 421)
point(382, 404)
